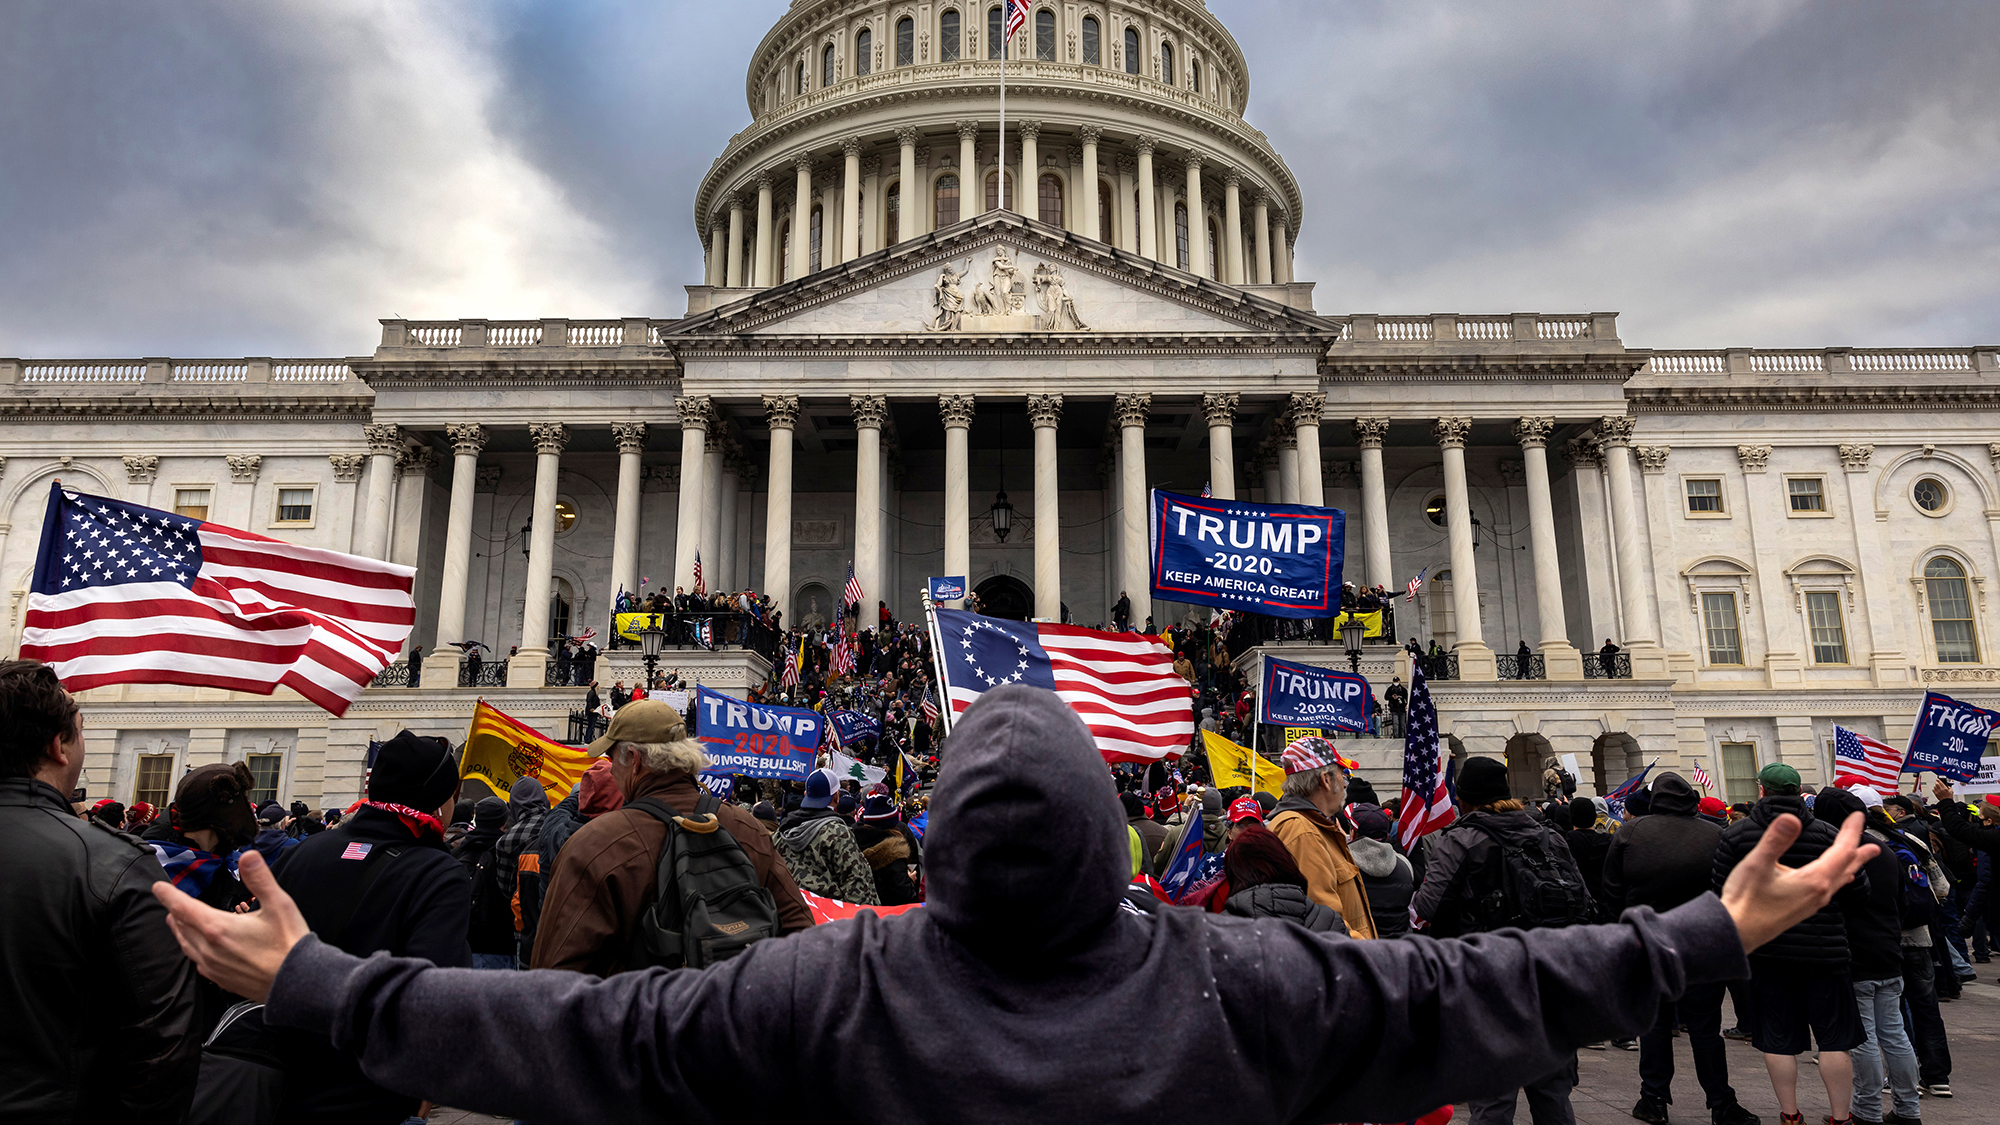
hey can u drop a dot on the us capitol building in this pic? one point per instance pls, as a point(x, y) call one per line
point(890, 334)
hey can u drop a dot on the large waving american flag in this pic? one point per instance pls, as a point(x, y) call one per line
point(1427, 804)
point(851, 593)
point(130, 595)
point(1877, 763)
point(1122, 684)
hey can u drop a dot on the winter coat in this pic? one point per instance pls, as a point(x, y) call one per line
point(890, 851)
point(1819, 942)
point(100, 1002)
point(1287, 903)
point(819, 849)
point(1460, 860)
point(1664, 859)
point(1004, 996)
point(270, 842)
point(608, 874)
point(1588, 847)
point(1389, 880)
point(1319, 847)
point(1959, 825)
point(520, 864)
point(1874, 920)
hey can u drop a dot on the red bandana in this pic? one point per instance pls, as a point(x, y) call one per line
point(418, 823)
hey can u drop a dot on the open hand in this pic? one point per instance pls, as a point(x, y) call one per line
point(1941, 789)
point(1766, 898)
point(240, 952)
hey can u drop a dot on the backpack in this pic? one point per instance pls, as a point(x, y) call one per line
point(1529, 885)
point(1919, 901)
point(710, 905)
point(492, 912)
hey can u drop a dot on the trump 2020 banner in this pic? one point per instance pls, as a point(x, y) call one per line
point(1949, 738)
point(755, 740)
point(1305, 695)
point(1280, 560)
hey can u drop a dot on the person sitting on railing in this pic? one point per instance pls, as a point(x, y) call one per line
point(1609, 656)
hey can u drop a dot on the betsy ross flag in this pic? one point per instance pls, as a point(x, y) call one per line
point(1017, 16)
point(130, 595)
point(1701, 777)
point(1427, 798)
point(1876, 763)
point(1122, 684)
point(1416, 584)
point(852, 594)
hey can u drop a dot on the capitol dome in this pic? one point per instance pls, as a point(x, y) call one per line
point(1124, 124)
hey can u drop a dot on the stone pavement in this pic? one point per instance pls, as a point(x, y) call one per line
point(1611, 1077)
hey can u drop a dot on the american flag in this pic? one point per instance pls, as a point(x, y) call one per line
point(1017, 16)
point(1416, 584)
point(1427, 804)
point(698, 587)
point(852, 595)
point(1122, 684)
point(791, 678)
point(930, 705)
point(1877, 763)
point(1701, 777)
point(130, 595)
point(357, 851)
point(843, 654)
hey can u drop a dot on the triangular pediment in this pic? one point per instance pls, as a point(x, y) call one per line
point(1001, 274)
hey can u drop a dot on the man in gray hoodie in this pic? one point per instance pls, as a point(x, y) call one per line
point(1019, 988)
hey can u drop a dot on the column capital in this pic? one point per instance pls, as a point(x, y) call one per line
point(346, 466)
point(1262, 199)
point(1652, 458)
point(803, 162)
point(1283, 434)
point(1091, 134)
point(735, 203)
point(487, 479)
point(1369, 433)
point(713, 440)
point(1854, 458)
point(850, 147)
point(630, 436)
point(467, 438)
point(957, 411)
point(782, 411)
point(1193, 161)
point(1452, 432)
point(417, 461)
point(907, 136)
point(1231, 178)
point(243, 467)
point(383, 439)
point(1145, 145)
point(764, 184)
point(141, 470)
point(1045, 411)
point(1585, 451)
point(968, 130)
point(549, 437)
point(1533, 432)
point(870, 411)
point(1031, 129)
point(697, 412)
point(1219, 409)
point(1306, 409)
point(1129, 411)
point(1614, 430)
point(1755, 458)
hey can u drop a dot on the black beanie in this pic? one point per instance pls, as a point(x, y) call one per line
point(1134, 805)
point(411, 770)
point(1582, 813)
point(490, 812)
point(1639, 803)
point(1482, 781)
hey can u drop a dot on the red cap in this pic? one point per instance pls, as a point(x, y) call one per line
point(1713, 806)
point(1245, 808)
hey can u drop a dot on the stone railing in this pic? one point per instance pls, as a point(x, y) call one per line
point(84, 371)
point(1825, 361)
point(551, 333)
point(1515, 328)
point(173, 372)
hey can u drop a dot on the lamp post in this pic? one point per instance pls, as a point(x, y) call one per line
point(651, 638)
point(1353, 631)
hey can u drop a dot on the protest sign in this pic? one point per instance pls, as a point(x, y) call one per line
point(1949, 737)
point(947, 589)
point(755, 740)
point(1308, 695)
point(1280, 560)
point(1987, 780)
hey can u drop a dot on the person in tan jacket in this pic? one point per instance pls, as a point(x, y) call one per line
point(1315, 789)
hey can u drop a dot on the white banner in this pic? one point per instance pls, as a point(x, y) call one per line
point(1988, 779)
point(846, 768)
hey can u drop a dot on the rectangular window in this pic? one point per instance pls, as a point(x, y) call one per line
point(1725, 640)
point(1704, 497)
point(1807, 494)
point(191, 502)
point(948, 37)
point(264, 770)
point(156, 779)
point(1829, 634)
point(295, 505)
point(1739, 772)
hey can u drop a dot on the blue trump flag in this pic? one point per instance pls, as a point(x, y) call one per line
point(1191, 870)
point(1280, 560)
point(850, 727)
point(1949, 737)
point(755, 740)
point(1305, 695)
point(1615, 800)
point(947, 589)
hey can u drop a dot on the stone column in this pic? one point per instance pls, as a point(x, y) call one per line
point(718, 254)
point(1027, 188)
point(1286, 443)
point(1045, 411)
point(384, 443)
point(850, 201)
point(1282, 250)
point(1197, 219)
point(1274, 477)
point(1260, 221)
point(734, 279)
point(1092, 227)
point(1149, 212)
point(957, 411)
point(782, 412)
point(1306, 409)
point(725, 539)
point(909, 224)
point(871, 412)
point(1369, 434)
point(711, 503)
point(1129, 412)
point(1220, 411)
point(971, 188)
point(1642, 636)
point(1232, 227)
point(1561, 659)
point(1885, 660)
point(466, 442)
point(631, 440)
point(1475, 659)
point(767, 250)
point(696, 413)
point(802, 203)
point(526, 669)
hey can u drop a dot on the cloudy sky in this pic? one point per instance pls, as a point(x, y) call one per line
point(215, 178)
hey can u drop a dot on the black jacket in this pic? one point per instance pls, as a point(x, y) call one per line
point(890, 852)
point(1663, 859)
point(1461, 863)
point(1588, 847)
point(99, 1002)
point(1390, 880)
point(420, 906)
point(1287, 903)
point(1819, 942)
point(1958, 825)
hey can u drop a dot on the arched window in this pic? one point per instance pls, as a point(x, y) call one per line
point(1194, 74)
point(1214, 249)
point(1167, 63)
point(1131, 50)
point(818, 237)
point(562, 596)
point(784, 252)
point(947, 201)
point(996, 35)
point(800, 88)
point(894, 216)
point(826, 67)
point(1050, 197)
point(906, 41)
point(1951, 612)
point(864, 52)
point(1181, 244)
point(1045, 35)
point(1093, 45)
point(993, 190)
point(948, 37)
point(1105, 194)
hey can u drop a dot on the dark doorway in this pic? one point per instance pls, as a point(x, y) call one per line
point(1007, 597)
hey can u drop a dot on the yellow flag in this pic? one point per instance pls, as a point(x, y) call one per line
point(500, 750)
point(1372, 620)
point(1227, 762)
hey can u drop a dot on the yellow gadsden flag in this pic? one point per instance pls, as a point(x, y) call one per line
point(1229, 764)
point(500, 751)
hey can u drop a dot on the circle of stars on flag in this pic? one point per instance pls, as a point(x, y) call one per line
point(971, 655)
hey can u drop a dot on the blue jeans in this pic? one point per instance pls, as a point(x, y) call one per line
point(494, 961)
point(1888, 1045)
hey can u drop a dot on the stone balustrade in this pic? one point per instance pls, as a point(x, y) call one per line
point(104, 374)
point(1486, 330)
point(1825, 361)
point(548, 333)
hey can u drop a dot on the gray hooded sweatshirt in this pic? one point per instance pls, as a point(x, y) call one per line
point(1022, 991)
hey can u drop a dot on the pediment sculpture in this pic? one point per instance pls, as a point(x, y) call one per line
point(999, 302)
